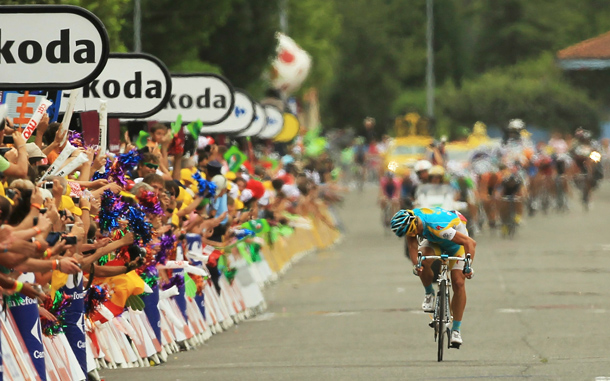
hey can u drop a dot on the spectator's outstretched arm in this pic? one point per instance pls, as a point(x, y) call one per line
point(20, 168)
point(41, 129)
point(56, 144)
point(35, 202)
point(115, 245)
point(66, 265)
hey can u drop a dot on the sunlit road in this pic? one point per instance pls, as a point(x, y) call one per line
point(538, 308)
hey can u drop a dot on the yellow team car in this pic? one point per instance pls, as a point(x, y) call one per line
point(404, 152)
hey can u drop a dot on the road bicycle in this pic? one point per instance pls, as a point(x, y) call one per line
point(441, 321)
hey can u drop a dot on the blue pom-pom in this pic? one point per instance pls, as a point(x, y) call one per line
point(130, 159)
point(244, 233)
point(138, 225)
point(204, 186)
point(109, 212)
point(99, 175)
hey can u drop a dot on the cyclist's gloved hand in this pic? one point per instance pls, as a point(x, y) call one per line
point(417, 270)
point(469, 273)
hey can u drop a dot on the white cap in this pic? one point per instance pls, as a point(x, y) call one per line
point(264, 201)
point(246, 195)
point(220, 182)
point(422, 165)
point(233, 191)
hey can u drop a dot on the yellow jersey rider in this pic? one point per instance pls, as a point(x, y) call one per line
point(443, 231)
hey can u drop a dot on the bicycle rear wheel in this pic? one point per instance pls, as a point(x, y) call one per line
point(442, 311)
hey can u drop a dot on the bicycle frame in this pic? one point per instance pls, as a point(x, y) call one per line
point(442, 313)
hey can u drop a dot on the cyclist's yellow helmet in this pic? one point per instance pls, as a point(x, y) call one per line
point(404, 222)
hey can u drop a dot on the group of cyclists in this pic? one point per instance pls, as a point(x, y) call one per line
point(497, 185)
point(501, 182)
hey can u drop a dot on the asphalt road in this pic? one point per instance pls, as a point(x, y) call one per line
point(537, 309)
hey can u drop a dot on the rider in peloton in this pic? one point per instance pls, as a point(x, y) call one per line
point(443, 231)
point(389, 191)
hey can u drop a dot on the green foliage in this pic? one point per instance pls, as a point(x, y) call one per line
point(316, 25)
point(533, 91)
point(243, 46)
point(196, 66)
point(111, 12)
point(506, 32)
point(383, 52)
point(411, 100)
point(175, 31)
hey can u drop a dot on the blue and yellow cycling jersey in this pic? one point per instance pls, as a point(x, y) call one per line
point(440, 226)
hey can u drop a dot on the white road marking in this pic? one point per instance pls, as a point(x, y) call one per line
point(264, 317)
point(510, 310)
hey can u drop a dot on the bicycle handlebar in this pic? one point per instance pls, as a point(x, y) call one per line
point(467, 259)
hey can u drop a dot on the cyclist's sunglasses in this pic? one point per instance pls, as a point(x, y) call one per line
point(151, 165)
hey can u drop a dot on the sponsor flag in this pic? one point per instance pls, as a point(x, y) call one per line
point(235, 158)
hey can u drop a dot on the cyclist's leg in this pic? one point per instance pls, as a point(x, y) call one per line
point(503, 206)
point(427, 249)
point(521, 194)
point(458, 284)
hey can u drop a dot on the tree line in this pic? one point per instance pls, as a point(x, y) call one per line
point(494, 60)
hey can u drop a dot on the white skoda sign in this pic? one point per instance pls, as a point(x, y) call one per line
point(134, 85)
point(259, 122)
point(240, 118)
point(275, 122)
point(50, 47)
point(206, 97)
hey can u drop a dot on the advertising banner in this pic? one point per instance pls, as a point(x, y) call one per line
point(134, 85)
point(50, 47)
point(207, 97)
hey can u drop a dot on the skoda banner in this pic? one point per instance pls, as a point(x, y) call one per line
point(275, 122)
point(206, 97)
point(50, 47)
point(242, 116)
point(259, 122)
point(134, 85)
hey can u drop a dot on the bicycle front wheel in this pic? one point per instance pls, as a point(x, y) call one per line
point(442, 311)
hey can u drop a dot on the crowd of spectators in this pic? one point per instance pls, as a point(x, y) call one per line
point(75, 218)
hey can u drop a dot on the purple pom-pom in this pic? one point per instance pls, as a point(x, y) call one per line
point(176, 280)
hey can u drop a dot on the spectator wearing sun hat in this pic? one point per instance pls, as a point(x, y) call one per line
point(220, 200)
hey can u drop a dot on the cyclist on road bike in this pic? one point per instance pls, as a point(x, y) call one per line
point(589, 168)
point(489, 179)
point(465, 188)
point(443, 231)
point(389, 192)
point(512, 134)
point(511, 185)
point(422, 168)
point(437, 175)
point(360, 155)
point(407, 191)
